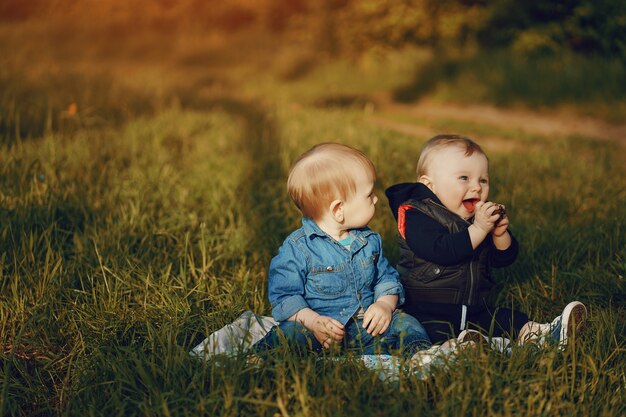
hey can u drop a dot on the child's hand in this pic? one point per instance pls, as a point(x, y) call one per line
point(500, 235)
point(485, 216)
point(327, 330)
point(377, 318)
point(501, 226)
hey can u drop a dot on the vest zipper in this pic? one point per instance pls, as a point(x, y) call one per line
point(471, 288)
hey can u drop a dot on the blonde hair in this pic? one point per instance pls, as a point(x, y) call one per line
point(325, 173)
point(443, 141)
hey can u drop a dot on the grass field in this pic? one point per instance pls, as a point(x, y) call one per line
point(142, 195)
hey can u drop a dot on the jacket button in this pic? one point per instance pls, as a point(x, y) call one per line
point(329, 268)
point(437, 271)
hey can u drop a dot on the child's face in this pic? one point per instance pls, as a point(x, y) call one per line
point(359, 208)
point(458, 180)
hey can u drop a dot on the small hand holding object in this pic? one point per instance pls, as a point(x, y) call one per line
point(503, 221)
point(485, 216)
point(377, 318)
point(327, 330)
point(500, 211)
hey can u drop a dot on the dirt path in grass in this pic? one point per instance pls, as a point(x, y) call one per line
point(430, 116)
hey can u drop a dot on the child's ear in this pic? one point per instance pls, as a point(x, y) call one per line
point(425, 179)
point(336, 210)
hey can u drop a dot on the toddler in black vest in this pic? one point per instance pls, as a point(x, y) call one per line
point(450, 237)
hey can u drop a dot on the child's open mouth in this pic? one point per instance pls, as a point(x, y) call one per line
point(470, 204)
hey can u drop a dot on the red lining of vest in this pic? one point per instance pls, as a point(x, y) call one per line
point(402, 219)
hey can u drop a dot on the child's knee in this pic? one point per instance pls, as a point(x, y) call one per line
point(407, 332)
point(295, 333)
point(407, 323)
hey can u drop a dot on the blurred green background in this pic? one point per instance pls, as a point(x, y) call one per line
point(113, 59)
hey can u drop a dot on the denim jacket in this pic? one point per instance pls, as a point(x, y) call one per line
point(313, 270)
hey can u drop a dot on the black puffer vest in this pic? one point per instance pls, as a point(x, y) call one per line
point(465, 283)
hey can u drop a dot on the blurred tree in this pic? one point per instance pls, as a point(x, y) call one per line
point(531, 26)
point(395, 23)
point(585, 26)
point(353, 26)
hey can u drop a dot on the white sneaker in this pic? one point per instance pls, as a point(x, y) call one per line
point(425, 357)
point(572, 322)
point(473, 336)
point(500, 344)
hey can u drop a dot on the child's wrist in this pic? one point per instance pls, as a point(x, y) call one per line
point(503, 241)
point(386, 305)
point(502, 235)
point(310, 319)
point(306, 316)
point(481, 229)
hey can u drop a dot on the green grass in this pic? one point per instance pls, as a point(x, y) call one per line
point(591, 85)
point(127, 240)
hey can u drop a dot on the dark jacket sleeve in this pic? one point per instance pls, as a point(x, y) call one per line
point(432, 242)
point(500, 258)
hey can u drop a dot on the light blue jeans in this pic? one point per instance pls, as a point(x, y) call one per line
point(404, 336)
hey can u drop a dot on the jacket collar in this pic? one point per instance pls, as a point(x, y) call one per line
point(401, 193)
point(312, 229)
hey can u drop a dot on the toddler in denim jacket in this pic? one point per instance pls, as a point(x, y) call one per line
point(329, 284)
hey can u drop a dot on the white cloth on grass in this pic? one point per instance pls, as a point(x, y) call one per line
point(236, 337)
point(249, 328)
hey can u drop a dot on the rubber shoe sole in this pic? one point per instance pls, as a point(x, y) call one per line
point(573, 321)
point(474, 336)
